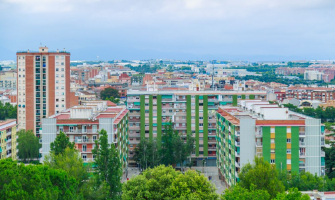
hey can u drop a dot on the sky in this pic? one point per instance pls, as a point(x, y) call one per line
point(255, 30)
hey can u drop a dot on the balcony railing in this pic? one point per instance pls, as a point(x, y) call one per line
point(237, 143)
point(302, 154)
point(79, 131)
point(301, 164)
point(302, 143)
point(259, 144)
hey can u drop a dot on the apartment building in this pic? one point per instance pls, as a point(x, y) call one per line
point(288, 140)
point(189, 112)
point(8, 80)
point(82, 124)
point(8, 139)
point(43, 85)
point(322, 94)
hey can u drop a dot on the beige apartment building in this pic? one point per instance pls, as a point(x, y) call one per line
point(43, 87)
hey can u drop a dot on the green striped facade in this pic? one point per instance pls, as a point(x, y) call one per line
point(205, 124)
point(197, 125)
point(150, 118)
point(159, 120)
point(142, 114)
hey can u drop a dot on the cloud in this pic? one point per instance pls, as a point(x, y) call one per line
point(198, 27)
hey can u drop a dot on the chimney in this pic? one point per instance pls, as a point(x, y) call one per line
point(28, 51)
point(64, 49)
point(57, 51)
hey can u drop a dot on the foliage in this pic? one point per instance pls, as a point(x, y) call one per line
point(92, 190)
point(306, 181)
point(7, 111)
point(69, 161)
point(28, 145)
point(61, 143)
point(262, 175)
point(109, 92)
point(240, 193)
point(113, 99)
point(145, 68)
point(173, 150)
point(146, 153)
point(270, 76)
point(170, 68)
point(165, 183)
point(109, 167)
point(325, 115)
point(292, 194)
point(330, 161)
point(35, 182)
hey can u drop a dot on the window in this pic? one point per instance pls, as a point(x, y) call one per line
point(288, 151)
point(94, 138)
point(84, 148)
point(288, 140)
point(272, 141)
point(57, 70)
point(272, 151)
point(288, 161)
point(62, 69)
point(84, 156)
point(201, 124)
point(201, 118)
point(272, 161)
point(71, 129)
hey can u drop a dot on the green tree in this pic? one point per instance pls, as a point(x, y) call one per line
point(292, 194)
point(61, 143)
point(167, 151)
point(183, 149)
point(166, 183)
point(262, 175)
point(7, 111)
point(108, 93)
point(146, 153)
point(35, 182)
point(330, 161)
point(240, 193)
point(28, 145)
point(69, 161)
point(113, 99)
point(109, 167)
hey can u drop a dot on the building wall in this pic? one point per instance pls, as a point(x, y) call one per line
point(313, 146)
point(8, 141)
point(248, 150)
point(44, 85)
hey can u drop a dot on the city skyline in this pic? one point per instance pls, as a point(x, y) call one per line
point(195, 30)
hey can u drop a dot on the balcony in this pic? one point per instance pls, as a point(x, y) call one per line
point(237, 154)
point(88, 159)
point(259, 144)
point(301, 164)
point(302, 134)
point(237, 164)
point(237, 133)
point(237, 143)
point(79, 131)
point(81, 141)
point(323, 154)
point(302, 154)
point(259, 134)
point(302, 144)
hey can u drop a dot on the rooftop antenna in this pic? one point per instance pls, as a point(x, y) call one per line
point(40, 44)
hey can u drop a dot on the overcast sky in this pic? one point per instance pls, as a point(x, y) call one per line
point(177, 29)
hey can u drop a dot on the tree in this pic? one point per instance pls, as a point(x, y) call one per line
point(109, 167)
point(61, 143)
point(28, 145)
point(330, 161)
point(183, 150)
point(146, 153)
point(114, 100)
point(69, 161)
point(7, 111)
point(262, 175)
point(166, 183)
point(35, 182)
point(167, 150)
point(292, 194)
point(239, 193)
point(108, 93)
